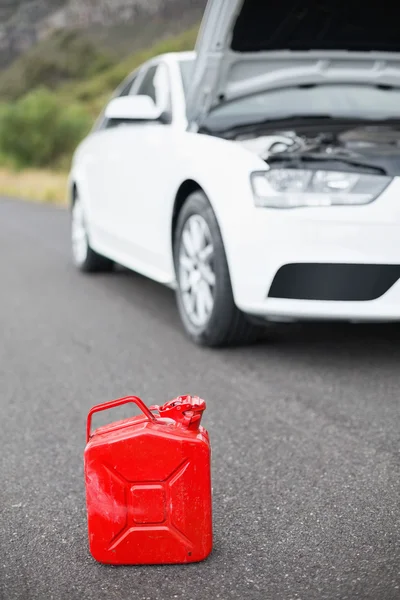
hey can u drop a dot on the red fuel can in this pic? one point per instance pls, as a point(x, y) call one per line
point(148, 485)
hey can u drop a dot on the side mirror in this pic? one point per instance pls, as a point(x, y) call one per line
point(132, 108)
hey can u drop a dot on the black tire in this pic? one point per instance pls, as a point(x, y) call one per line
point(226, 325)
point(91, 261)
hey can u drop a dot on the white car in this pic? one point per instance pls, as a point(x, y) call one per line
point(257, 175)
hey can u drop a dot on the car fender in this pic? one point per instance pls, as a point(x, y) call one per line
point(222, 169)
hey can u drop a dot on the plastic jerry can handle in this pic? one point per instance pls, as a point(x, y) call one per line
point(114, 404)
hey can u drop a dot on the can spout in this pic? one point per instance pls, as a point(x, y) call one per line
point(186, 411)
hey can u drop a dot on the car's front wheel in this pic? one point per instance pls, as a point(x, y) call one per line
point(204, 292)
point(84, 257)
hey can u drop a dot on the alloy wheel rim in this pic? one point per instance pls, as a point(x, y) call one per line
point(78, 234)
point(196, 271)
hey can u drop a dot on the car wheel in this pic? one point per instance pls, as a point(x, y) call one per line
point(85, 259)
point(204, 293)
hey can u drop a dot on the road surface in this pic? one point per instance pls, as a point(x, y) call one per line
point(305, 433)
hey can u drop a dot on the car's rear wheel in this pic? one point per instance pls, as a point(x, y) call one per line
point(204, 292)
point(85, 259)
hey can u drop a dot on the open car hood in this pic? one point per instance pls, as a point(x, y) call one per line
point(248, 46)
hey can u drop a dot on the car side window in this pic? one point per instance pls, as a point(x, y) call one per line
point(153, 82)
point(147, 87)
point(156, 85)
point(125, 89)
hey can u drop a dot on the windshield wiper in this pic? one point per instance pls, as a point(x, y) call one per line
point(297, 120)
point(249, 125)
point(278, 123)
point(298, 161)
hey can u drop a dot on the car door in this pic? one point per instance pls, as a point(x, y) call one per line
point(100, 163)
point(141, 168)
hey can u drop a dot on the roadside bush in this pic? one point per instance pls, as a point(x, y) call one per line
point(39, 129)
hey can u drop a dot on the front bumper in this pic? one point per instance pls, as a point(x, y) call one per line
point(340, 263)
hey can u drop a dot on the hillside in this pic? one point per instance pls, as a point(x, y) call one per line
point(119, 26)
point(43, 124)
point(52, 42)
point(53, 90)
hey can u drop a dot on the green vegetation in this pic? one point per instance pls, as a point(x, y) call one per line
point(66, 55)
point(95, 91)
point(38, 130)
point(50, 97)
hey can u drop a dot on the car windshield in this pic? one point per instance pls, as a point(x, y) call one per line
point(336, 100)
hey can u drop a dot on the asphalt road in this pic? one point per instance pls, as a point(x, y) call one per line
point(305, 433)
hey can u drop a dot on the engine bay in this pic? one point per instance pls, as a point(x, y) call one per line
point(377, 146)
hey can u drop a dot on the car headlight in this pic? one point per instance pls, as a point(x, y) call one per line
point(292, 188)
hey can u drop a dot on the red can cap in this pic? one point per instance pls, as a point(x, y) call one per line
point(186, 411)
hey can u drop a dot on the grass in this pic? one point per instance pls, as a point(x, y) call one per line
point(38, 185)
